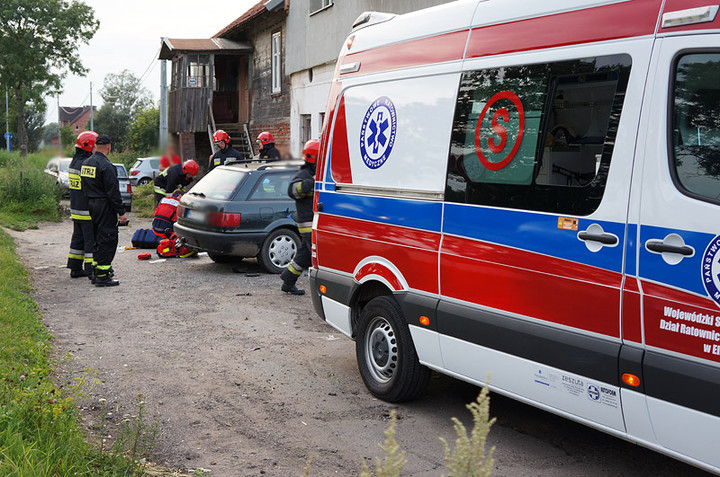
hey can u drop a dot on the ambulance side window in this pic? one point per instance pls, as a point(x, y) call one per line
point(695, 137)
point(537, 137)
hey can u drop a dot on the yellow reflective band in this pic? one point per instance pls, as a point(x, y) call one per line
point(88, 171)
point(75, 256)
point(88, 260)
point(159, 191)
point(293, 270)
point(80, 217)
point(103, 268)
point(298, 187)
point(305, 230)
point(94, 263)
point(186, 255)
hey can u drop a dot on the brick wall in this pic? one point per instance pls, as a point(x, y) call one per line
point(268, 111)
point(187, 146)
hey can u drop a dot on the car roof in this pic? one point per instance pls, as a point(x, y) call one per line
point(257, 165)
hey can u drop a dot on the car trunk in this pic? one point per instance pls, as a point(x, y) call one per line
point(209, 204)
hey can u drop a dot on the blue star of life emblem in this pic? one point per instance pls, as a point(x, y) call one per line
point(377, 134)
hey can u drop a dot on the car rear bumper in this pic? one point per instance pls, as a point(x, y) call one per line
point(239, 244)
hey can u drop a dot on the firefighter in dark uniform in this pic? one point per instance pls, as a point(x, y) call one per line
point(225, 152)
point(302, 190)
point(100, 186)
point(82, 241)
point(174, 178)
point(268, 152)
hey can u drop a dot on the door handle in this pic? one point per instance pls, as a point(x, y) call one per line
point(603, 238)
point(659, 246)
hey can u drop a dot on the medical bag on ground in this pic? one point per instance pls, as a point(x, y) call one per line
point(145, 238)
point(166, 248)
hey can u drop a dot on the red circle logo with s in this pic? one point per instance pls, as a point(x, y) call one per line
point(494, 146)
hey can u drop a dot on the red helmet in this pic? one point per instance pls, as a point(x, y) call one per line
point(190, 167)
point(86, 140)
point(221, 135)
point(265, 138)
point(311, 150)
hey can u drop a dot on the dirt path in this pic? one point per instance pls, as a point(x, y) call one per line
point(247, 381)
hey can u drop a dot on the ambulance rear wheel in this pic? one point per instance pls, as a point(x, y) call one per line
point(386, 354)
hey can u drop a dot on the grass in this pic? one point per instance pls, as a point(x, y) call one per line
point(27, 194)
point(144, 201)
point(39, 430)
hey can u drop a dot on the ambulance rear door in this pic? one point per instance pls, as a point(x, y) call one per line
point(679, 246)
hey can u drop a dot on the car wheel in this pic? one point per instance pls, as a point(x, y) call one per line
point(278, 250)
point(144, 181)
point(386, 354)
point(217, 258)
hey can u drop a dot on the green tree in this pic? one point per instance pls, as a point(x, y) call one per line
point(124, 98)
point(66, 136)
point(50, 132)
point(143, 132)
point(39, 41)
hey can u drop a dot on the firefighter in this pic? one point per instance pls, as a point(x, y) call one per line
point(302, 190)
point(268, 152)
point(100, 185)
point(225, 152)
point(166, 214)
point(82, 241)
point(174, 177)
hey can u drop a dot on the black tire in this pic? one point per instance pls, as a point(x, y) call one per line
point(144, 181)
point(392, 371)
point(273, 253)
point(217, 258)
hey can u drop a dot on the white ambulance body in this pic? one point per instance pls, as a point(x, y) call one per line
point(529, 193)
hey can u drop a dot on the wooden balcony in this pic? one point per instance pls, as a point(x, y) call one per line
point(188, 111)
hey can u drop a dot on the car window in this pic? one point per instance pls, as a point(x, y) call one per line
point(272, 187)
point(537, 137)
point(219, 184)
point(64, 165)
point(52, 166)
point(696, 125)
point(155, 163)
point(137, 164)
point(121, 173)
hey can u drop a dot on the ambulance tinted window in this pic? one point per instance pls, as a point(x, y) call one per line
point(696, 125)
point(537, 137)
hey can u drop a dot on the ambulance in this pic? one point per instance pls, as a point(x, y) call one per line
point(527, 194)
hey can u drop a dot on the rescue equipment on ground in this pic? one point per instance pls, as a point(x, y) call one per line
point(145, 238)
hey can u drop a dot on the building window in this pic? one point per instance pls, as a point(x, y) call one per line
point(198, 72)
point(537, 137)
point(696, 126)
point(276, 62)
point(322, 121)
point(317, 5)
point(305, 127)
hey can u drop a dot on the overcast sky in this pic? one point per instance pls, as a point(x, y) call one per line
point(129, 38)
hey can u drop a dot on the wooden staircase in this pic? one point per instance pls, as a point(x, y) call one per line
point(239, 138)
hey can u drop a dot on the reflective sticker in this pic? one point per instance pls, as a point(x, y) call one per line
point(88, 171)
point(377, 133)
point(567, 223)
point(711, 269)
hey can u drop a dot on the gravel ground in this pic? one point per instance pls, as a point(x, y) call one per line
point(247, 381)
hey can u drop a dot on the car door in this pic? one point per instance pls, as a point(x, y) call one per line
point(268, 201)
point(679, 246)
point(534, 225)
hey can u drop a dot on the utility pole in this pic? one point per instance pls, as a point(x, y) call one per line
point(163, 104)
point(59, 125)
point(92, 127)
point(8, 137)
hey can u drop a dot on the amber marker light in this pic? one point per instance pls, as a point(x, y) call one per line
point(350, 41)
point(424, 320)
point(323, 289)
point(631, 380)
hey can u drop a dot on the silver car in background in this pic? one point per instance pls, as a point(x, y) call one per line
point(58, 168)
point(126, 190)
point(144, 170)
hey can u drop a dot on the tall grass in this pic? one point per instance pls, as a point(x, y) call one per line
point(27, 194)
point(39, 431)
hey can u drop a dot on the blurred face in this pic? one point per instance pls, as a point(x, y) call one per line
point(221, 144)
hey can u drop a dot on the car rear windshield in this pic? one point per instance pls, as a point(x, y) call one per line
point(122, 174)
point(219, 184)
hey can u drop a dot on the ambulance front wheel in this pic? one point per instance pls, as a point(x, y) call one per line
point(385, 353)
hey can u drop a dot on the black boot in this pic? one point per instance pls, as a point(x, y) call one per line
point(78, 273)
point(105, 281)
point(288, 286)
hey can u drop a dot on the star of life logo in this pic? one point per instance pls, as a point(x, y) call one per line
point(377, 134)
point(711, 269)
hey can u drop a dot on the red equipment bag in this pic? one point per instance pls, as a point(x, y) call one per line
point(166, 248)
point(144, 256)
